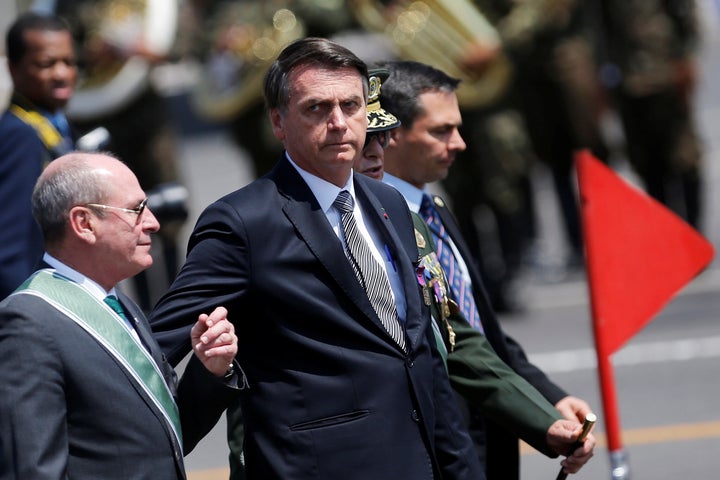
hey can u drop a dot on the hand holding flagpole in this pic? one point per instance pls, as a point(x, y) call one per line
point(590, 420)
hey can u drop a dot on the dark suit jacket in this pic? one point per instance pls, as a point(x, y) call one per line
point(69, 410)
point(22, 156)
point(502, 452)
point(331, 395)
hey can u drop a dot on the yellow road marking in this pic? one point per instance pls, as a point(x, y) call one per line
point(647, 436)
point(638, 436)
point(214, 474)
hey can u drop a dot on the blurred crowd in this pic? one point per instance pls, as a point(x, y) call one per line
point(539, 78)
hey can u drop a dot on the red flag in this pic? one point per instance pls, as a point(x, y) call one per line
point(639, 253)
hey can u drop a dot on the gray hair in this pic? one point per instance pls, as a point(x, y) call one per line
point(77, 183)
point(317, 51)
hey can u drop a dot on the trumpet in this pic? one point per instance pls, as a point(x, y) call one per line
point(439, 33)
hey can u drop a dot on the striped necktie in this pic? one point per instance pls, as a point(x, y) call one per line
point(371, 275)
point(461, 290)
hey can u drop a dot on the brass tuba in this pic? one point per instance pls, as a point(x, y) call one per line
point(439, 32)
point(246, 39)
point(118, 44)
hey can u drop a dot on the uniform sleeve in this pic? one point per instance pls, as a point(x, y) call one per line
point(519, 362)
point(485, 381)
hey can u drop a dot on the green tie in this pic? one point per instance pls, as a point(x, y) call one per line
point(114, 303)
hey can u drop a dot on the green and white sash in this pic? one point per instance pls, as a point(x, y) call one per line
point(106, 326)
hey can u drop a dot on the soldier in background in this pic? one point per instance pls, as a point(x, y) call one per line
point(550, 109)
point(561, 100)
point(651, 70)
point(33, 131)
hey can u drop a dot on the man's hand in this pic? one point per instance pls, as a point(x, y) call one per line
point(573, 408)
point(562, 435)
point(214, 341)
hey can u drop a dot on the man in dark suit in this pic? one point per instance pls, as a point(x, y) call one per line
point(345, 377)
point(87, 393)
point(421, 151)
point(33, 131)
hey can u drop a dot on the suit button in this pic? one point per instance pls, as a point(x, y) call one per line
point(414, 415)
point(410, 363)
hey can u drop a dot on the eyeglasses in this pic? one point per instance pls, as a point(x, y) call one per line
point(137, 210)
point(383, 138)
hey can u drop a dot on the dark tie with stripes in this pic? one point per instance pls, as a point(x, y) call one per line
point(461, 291)
point(369, 272)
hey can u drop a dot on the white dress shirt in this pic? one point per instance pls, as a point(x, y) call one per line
point(326, 193)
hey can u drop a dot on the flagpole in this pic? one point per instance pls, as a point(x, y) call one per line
point(620, 469)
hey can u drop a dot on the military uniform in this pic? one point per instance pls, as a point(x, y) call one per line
point(476, 372)
point(29, 140)
point(550, 110)
point(650, 47)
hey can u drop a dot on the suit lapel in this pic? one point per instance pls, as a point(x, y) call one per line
point(304, 212)
point(143, 330)
point(376, 213)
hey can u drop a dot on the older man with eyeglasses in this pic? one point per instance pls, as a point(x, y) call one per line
point(87, 391)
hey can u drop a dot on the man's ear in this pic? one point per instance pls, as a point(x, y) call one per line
point(82, 223)
point(276, 122)
point(395, 136)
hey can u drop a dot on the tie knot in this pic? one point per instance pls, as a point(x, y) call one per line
point(114, 303)
point(344, 202)
point(427, 208)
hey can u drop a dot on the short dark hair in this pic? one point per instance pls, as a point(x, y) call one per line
point(15, 47)
point(307, 51)
point(406, 82)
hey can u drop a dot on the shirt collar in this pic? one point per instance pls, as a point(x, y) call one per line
point(413, 195)
point(91, 286)
point(324, 191)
